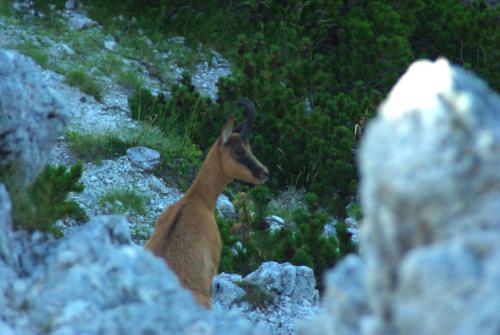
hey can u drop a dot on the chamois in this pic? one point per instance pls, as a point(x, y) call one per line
point(186, 234)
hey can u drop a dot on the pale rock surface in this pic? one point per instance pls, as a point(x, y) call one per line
point(292, 288)
point(6, 245)
point(95, 281)
point(70, 5)
point(430, 190)
point(275, 222)
point(225, 207)
point(144, 158)
point(79, 21)
point(61, 50)
point(31, 115)
point(295, 282)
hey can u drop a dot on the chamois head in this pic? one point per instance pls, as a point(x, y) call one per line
point(234, 147)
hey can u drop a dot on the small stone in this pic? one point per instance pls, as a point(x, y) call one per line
point(144, 158)
point(110, 45)
point(156, 185)
point(225, 207)
point(70, 5)
point(80, 22)
point(329, 229)
point(66, 257)
point(275, 222)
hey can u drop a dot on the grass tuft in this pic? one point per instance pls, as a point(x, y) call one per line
point(255, 295)
point(119, 201)
point(96, 147)
point(85, 83)
point(129, 80)
point(35, 52)
point(179, 158)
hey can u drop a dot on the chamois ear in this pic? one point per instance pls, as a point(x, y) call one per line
point(227, 130)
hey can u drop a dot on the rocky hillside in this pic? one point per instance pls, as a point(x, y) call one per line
point(430, 241)
point(35, 137)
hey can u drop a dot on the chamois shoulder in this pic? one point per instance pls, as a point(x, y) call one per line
point(163, 228)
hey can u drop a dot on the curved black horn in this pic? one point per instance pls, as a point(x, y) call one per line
point(250, 117)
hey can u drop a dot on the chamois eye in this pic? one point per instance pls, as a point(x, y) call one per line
point(239, 152)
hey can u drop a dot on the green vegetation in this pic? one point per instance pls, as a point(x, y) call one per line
point(35, 52)
point(250, 242)
point(39, 205)
point(85, 83)
point(315, 69)
point(129, 80)
point(5, 8)
point(96, 147)
point(255, 295)
point(123, 200)
point(110, 64)
point(179, 157)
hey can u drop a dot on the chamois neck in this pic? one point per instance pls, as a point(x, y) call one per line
point(210, 181)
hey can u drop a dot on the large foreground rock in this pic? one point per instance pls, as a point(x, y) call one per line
point(6, 245)
point(95, 281)
point(31, 115)
point(430, 188)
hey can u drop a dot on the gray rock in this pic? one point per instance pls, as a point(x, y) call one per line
point(6, 247)
point(5, 329)
point(345, 298)
point(225, 207)
point(158, 186)
point(275, 222)
point(329, 229)
point(95, 281)
point(225, 292)
point(296, 282)
point(79, 21)
point(61, 50)
point(31, 115)
point(429, 166)
point(459, 279)
point(70, 5)
point(110, 44)
point(144, 158)
point(292, 289)
point(430, 193)
point(206, 75)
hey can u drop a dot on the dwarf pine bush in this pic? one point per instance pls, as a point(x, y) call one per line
point(37, 207)
point(317, 70)
point(250, 242)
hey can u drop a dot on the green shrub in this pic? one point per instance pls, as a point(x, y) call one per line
point(251, 242)
point(316, 69)
point(39, 205)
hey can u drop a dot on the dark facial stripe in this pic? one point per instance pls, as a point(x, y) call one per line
point(251, 165)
